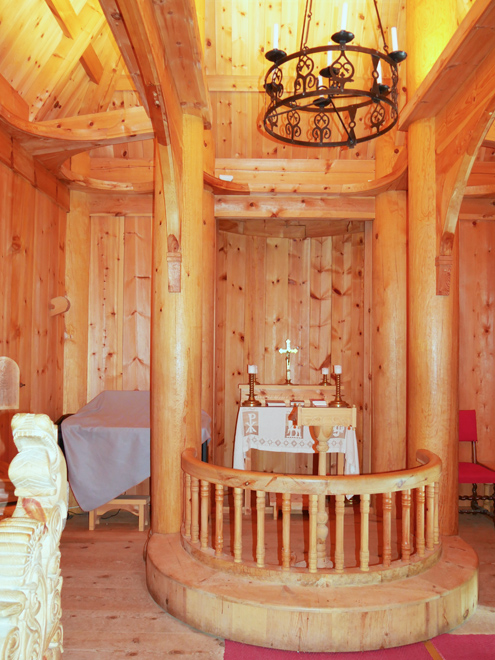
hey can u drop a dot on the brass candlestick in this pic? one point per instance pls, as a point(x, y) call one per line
point(325, 380)
point(338, 402)
point(251, 401)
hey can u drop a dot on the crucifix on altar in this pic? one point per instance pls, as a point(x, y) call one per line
point(287, 350)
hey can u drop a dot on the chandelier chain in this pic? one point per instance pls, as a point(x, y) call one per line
point(385, 45)
point(308, 14)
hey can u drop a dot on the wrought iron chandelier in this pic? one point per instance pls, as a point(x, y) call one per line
point(315, 102)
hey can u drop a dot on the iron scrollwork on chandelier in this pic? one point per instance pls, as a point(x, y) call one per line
point(319, 106)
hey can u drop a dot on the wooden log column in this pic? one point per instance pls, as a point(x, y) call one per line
point(208, 282)
point(176, 329)
point(389, 326)
point(432, 320)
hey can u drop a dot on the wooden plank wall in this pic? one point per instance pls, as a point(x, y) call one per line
point(32, 272)
point(477, 332)
point(119, 304)
point(271, 289)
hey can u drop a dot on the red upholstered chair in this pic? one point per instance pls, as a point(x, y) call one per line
point(474, 473)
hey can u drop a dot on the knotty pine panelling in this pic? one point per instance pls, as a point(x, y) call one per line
point(32, 267)
point(270, 289)
point(477, 332)
point(119, 304)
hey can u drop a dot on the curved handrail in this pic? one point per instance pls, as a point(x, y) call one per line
point(419, 542)
point(428, 472)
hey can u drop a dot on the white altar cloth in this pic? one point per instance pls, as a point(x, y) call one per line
point(268, 428)
point(107, 445)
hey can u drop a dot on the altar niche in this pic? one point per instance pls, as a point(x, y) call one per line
point(314, 291)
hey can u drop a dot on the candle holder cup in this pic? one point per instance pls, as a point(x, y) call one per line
point(338, 402)
point(251, 402)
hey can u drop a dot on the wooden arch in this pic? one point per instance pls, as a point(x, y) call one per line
point(458, 92)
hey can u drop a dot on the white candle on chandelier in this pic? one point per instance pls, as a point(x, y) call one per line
point(275, 36)
point(343, 23)
point(320, 81)
point(395, 43)
point(337, 369)
point(379, 71)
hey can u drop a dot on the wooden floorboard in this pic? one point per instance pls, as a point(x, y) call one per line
point(109, 614)
point(107, 610)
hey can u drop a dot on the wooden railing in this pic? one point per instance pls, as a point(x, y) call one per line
point(408, 542)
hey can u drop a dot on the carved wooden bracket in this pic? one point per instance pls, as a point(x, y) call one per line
point(174, 260)
point(443, 265)
point(59, 305)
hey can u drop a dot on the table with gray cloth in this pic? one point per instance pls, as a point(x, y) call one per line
point(107, 445)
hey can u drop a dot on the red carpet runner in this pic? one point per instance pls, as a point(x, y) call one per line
point(444, 647)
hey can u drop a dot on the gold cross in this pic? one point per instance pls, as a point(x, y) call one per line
point(288, 350)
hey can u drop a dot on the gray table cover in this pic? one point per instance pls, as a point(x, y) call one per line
point(107, 445)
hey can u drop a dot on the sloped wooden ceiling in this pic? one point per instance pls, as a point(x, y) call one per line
point(62, 59)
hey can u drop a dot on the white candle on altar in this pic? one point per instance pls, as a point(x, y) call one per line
point(395, 43)
point(275, 36)
point(325, 371)
point(337, 369)
point(343, 23)
point(251, 368)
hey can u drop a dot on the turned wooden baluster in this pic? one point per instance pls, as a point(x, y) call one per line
point(313, 513)
point(285, 531)
point(194, 509)
point(430, 516)
point(205, 500)
point(260, 528)
point(420, 521)
point(323, 434)
point(218, 519)
point(187, 512)
point(339, 532)
point(364, 553)
point(406, 525)
point(238, 493)
point(436, 528)
point(387, 529)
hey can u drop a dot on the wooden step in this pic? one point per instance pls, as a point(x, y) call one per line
point(317, 619)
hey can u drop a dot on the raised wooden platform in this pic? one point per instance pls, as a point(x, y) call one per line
point(323, 618)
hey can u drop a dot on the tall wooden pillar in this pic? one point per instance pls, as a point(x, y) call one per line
point(432, 319)
point(176, 330)
point(389, 324)
point(208, 282)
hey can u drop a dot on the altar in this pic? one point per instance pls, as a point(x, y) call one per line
point(268, 428)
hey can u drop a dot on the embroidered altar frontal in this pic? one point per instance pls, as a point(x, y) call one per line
point(270, 429)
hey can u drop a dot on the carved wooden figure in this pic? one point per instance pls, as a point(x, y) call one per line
point(30, 581)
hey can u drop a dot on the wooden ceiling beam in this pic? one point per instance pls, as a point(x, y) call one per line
point(138, 19)
point(52, 142)
point(66, 17)
point(294, 207)
point(290, 228)
point(116, 22)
